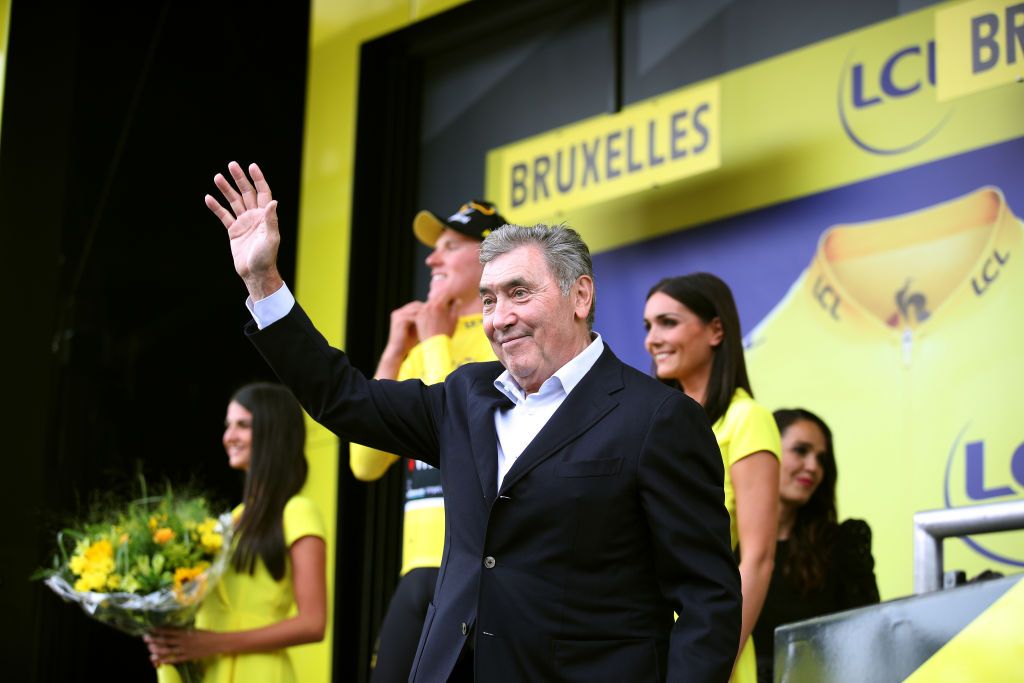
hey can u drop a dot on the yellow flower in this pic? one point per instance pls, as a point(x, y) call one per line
point(184, 575)
point(100, 550)
point(163, 535)
point(152, 523)
point(92, 562)
point(91, 581)
point(78, 564)
point(209, 535)
point(113, 582)
point(211, 542)
point(208, 525)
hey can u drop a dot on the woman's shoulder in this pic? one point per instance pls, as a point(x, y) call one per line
point(855, 564)
point(853, 544)
point(749, 426)
point(741, 400)
point(744, 407)
point(300, 499)
point(854, 531)
point(300, 504)
point(302, 518)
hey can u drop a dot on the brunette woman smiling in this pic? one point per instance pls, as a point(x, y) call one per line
point(693, 336)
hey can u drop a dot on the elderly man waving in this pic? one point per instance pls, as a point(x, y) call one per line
point(584, 498)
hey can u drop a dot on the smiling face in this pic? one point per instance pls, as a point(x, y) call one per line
point(680, 342)
point(804, 448)
point(454, 268)
point(534, 329)
point(238, 436)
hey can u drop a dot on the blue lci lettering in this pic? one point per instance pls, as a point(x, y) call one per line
point(827, 297)
point(974, 461)
point(990, 270)
point(985, 50)
point(887, 83)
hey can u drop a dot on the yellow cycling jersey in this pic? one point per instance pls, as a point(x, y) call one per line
point(903, 335)
point(430, 361)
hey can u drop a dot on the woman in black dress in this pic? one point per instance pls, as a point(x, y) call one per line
point(820, 566)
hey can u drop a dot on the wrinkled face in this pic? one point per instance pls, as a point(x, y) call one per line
point(238, 436)
point(454, 267)
point(680, 342)
point(803, 451)
point(533, 328)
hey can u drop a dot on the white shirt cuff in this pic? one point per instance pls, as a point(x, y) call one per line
point(269, 310)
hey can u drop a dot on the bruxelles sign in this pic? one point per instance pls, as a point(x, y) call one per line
point(646, 145)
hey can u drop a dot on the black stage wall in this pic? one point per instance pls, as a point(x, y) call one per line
point(122, 315)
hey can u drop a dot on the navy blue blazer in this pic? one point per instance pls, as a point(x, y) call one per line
point(612, 518)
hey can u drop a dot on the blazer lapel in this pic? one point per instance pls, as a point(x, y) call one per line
point(587, 403)
point(484, 400)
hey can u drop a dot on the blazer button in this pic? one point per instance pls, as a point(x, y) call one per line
point(465, 628)
point(489, 562)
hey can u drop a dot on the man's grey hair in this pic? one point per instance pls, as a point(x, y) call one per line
point(565, 252)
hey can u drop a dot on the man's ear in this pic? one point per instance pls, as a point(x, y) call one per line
point(583, 291)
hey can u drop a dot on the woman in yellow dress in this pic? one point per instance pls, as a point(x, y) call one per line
point(693, 335)
point(278, 560)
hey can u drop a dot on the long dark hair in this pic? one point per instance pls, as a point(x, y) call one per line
point(813, 534)
point(277, 471)
point(709, 298)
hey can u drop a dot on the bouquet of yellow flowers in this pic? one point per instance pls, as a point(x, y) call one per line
point(145, 565)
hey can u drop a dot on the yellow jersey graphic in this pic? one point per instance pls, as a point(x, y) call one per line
point(904, 335)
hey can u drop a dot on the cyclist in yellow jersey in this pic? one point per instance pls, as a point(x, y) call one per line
point(427, 341)
point(693, 336)
point(906, 332)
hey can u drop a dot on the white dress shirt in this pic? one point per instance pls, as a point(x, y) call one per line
point(516, 426)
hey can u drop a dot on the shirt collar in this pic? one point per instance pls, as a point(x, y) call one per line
point(840, 302)
point(566, 377)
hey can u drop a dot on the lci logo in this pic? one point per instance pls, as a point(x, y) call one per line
point(888, 106)
point(996, 486)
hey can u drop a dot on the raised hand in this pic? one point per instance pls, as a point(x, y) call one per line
point(401, 338)
point(437, 316)
point(252, 228)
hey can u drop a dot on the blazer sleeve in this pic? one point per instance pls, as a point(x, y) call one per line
point(680, 474)
point(383, 414)
point(429, 361)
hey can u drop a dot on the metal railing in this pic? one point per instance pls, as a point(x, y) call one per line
point(931, 527)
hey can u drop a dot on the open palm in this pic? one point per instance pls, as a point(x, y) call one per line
point(251, 221)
